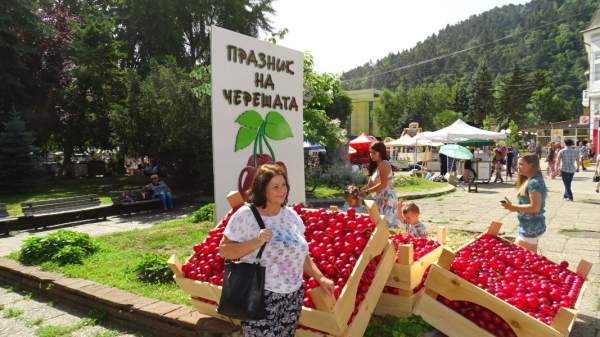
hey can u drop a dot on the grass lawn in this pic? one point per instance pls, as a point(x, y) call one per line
point(59, 188)
point(404, 184)
point(120, 252)
point(325, 192)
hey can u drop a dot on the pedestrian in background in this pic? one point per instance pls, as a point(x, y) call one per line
point(568, 163)
point(551, 159)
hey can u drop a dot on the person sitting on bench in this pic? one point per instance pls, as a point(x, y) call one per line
point(161, 191)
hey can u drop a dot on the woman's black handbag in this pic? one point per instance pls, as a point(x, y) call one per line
point(242, 295)
point(596, 179)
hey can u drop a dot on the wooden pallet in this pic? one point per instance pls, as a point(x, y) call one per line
point(441, 281)
point(400, 305)
point(407, 273)
point(330, 316)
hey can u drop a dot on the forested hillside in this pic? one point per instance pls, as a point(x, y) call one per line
point(533, 51)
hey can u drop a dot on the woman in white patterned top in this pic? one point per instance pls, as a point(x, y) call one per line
point(285, 255)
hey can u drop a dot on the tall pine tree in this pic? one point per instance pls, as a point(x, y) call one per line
point(512, 99)
point(481, 98)
point(17, 163)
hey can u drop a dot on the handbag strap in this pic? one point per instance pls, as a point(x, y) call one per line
point(261, 224)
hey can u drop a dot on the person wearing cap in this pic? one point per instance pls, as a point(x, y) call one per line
point(161, 191)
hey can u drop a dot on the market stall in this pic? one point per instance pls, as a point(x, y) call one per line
point(462, 133)
point(481, 163)
point(408, 150)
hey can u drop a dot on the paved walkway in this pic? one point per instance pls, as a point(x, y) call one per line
point(24, 315)
point(573, 233)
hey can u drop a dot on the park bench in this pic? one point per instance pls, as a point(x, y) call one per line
point(132, 200)
point(3, 211)
point(62, 210)
point(6, 221)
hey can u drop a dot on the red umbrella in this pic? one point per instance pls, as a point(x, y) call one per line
point(362, 142)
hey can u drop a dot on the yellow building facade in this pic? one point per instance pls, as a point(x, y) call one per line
point(362, 119)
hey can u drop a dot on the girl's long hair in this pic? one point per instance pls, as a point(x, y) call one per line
point(380, 148)
point(533, 160)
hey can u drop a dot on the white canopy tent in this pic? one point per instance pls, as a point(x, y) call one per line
point(407, 140)
point(460, 131)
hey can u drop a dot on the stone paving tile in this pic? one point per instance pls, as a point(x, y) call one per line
point(15, 328)
point(64, 319)
point(38, 310)
point(91, 331)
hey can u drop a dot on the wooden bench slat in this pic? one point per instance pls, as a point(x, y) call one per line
point(60, 200)
point(61, 204)
point(29, 211)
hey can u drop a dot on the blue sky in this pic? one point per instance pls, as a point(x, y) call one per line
point(344, 34)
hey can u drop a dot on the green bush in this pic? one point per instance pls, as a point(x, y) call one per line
point(412, 326)
point(204, 213)
point(62, 247)
point(153, 268)
point(342, 176)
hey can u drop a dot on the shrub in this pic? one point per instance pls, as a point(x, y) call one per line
point(153, 268)
point(342, 176)
point(204, 213)
point(62, 247)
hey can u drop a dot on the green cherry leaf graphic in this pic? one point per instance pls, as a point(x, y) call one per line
point(277, 128)
point(250, 119)
point(245, 137)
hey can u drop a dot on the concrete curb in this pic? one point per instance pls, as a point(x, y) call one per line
point(407, 196)
point(427, 194)
point(137, 312)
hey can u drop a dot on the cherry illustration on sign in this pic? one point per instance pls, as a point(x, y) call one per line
point(257, 131)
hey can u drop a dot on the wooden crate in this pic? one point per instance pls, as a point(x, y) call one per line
point(441, 281)
point(400, 305)
point(330, 316)
point(406, 276)
point(311, 318)
point(407, 273)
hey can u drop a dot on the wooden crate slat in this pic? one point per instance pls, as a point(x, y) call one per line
point(211, 310)
point(408, 277)
point(365, 309)
point(199, 289)
point(397, 305)
point(317, 319)
point(446, 320)
point(345, 304)
point(453, 287)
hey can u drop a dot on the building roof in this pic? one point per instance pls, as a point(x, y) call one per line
point(571, 123)
point(363, 94)
point(595, 23)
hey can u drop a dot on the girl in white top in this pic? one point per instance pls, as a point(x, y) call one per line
point(285, 256)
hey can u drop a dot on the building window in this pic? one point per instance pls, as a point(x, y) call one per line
point(596, 60)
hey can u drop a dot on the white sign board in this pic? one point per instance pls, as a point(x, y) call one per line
point(257, 91)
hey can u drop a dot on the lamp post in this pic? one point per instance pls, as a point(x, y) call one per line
point(370, 118)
